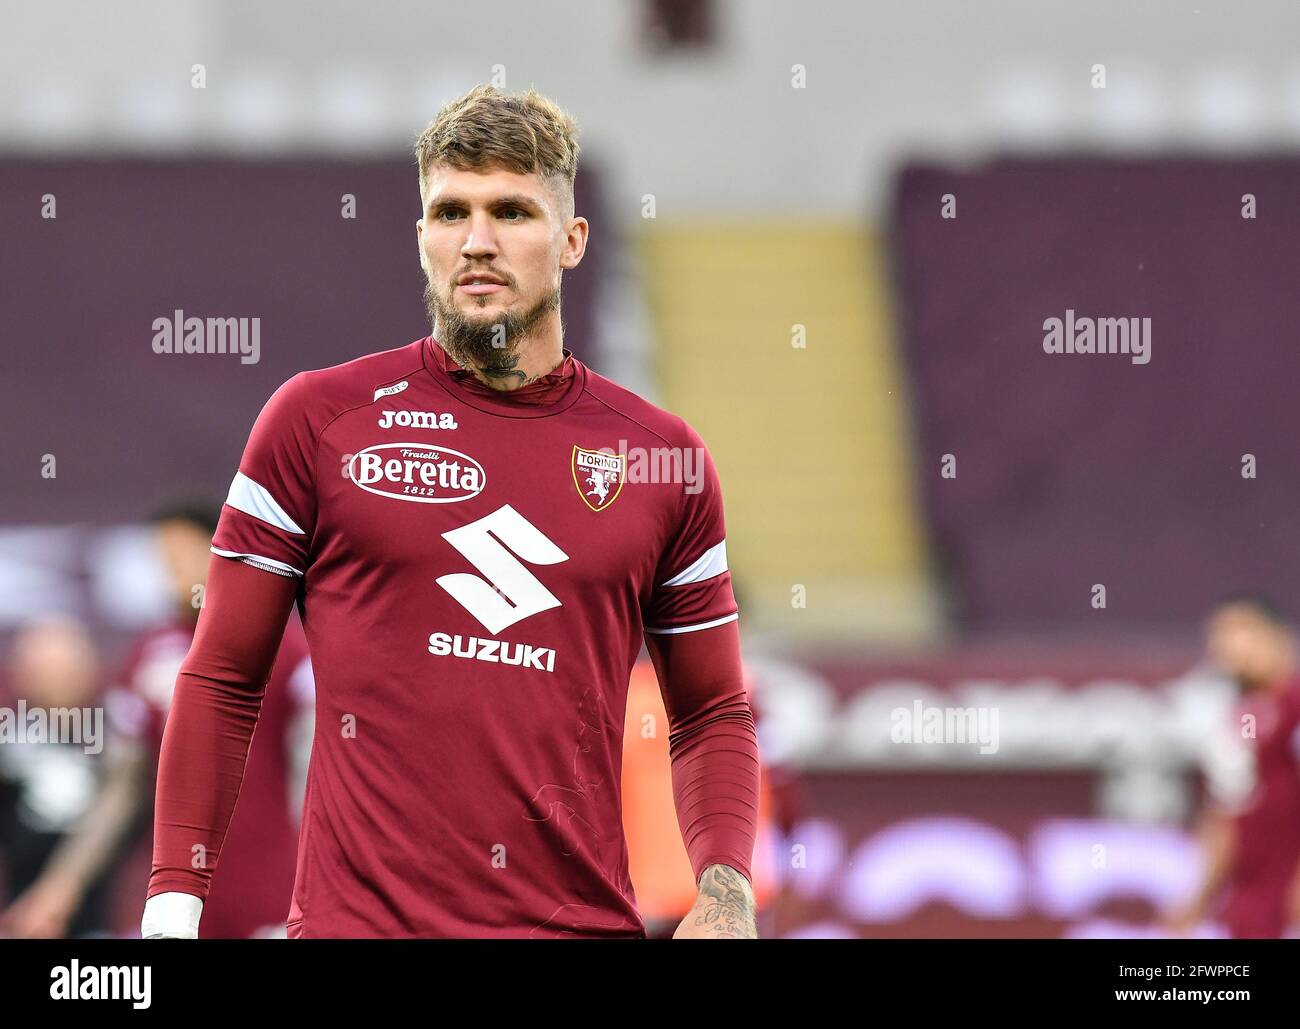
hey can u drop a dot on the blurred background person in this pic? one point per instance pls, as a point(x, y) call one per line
point(251, 891)
point(1250, 825)
point(47, 788)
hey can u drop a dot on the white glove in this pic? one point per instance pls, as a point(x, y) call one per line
point(171, 916)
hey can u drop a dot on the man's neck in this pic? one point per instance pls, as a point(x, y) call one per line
point(526, 367)
point(533, 357)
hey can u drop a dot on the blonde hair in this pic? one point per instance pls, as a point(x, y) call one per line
point(523, 132)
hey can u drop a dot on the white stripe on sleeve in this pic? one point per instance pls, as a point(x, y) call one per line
point(247, 496)
point(692, 628)
point(712, 562)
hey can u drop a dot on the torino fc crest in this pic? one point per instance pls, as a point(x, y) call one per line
point(599, 476)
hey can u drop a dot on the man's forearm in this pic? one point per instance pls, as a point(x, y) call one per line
point(214, 711)
point(85, 852)
point(715, 786)
point(200, 770)
point(713, 745)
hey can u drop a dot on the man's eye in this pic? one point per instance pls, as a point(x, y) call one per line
point(513, 210)
point(442, 215)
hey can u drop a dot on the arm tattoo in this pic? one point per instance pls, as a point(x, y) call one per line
point(726, 904)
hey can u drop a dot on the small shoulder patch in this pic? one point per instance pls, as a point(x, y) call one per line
point(388, 391)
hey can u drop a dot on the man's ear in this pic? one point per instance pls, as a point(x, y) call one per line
point(575, 244)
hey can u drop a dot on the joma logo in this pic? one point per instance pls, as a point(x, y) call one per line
point(417, 420)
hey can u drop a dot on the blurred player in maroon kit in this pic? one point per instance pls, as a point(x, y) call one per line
point(465, 526)
point(1251, 827)
point(251, 895)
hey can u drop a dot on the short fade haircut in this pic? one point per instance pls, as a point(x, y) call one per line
point(1263, 606)
point(523, 132)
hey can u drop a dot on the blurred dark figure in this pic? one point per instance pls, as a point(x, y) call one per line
point(251, 888)
point(47, 788)
point(1250, 828)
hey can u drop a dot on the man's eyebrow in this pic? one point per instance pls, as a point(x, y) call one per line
point(512, 199)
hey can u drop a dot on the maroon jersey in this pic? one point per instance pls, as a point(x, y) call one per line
point(477, 573)
point(251, 891)
point(1267, 818)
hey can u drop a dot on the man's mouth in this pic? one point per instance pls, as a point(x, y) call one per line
point(477, 289)
point(479, 283)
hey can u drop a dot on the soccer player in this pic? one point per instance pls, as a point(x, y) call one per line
point(251, 895)
point(476, 559)
point(1251, 825)
point(48, 784)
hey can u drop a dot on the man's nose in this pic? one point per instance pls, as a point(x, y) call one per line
point(480, 242)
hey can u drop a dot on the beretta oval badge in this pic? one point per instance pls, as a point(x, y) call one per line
point(418, 472)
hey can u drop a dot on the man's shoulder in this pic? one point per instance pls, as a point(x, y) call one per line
point(321, 394)
point(670, 427)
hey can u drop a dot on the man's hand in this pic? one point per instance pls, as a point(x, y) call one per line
point(724, 909)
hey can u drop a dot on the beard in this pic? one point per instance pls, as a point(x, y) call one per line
point(491, 343)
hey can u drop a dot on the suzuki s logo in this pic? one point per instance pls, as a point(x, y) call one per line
point(505, 592)
point(417, 472)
